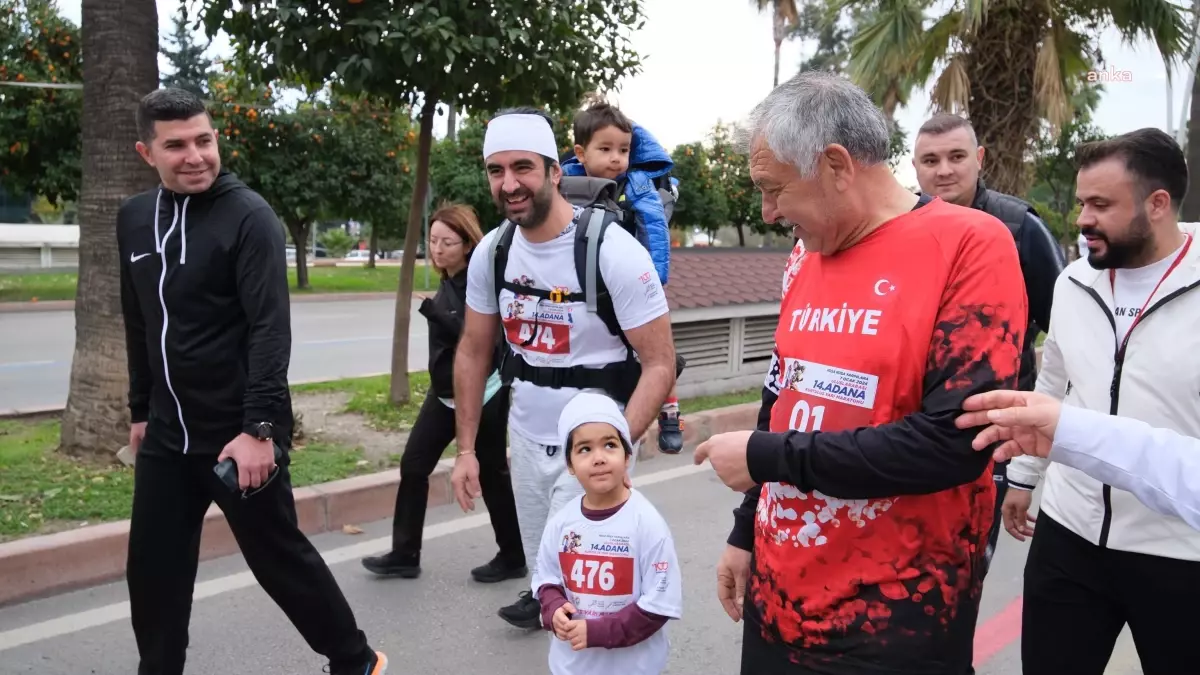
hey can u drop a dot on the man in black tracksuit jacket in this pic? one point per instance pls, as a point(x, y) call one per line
point(208, 336)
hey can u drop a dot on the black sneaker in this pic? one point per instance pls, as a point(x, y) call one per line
point(670, 433)
point(496, 570)
point(526, 612)
point(394, 565)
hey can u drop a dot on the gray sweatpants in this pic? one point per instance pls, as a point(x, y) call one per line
point(541, 485)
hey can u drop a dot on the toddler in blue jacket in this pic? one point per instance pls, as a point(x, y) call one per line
point(609, 145)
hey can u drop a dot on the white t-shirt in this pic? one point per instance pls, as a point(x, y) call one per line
point(604, 566)
point(1132, 288)
point(566, 333)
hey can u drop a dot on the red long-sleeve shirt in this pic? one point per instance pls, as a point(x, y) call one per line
point(869, 530)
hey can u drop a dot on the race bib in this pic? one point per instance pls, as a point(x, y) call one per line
point(540, 329)
point(817, 397)
point(585, 574)
point(543, 338)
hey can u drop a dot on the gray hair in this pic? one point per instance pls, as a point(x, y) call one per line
point(813, 110)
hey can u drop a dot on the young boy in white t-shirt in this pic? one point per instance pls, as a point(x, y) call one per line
point(607, 575)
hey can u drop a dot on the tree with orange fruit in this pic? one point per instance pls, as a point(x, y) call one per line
point(476, 55)
point(348, 157)
point(39, 125)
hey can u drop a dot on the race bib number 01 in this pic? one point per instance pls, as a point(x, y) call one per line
point(596, 575)
point(543, 338)
point(816, 397)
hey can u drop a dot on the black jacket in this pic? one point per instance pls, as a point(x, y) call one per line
point(444, 314)
point(1042, 260)
point(207, 316)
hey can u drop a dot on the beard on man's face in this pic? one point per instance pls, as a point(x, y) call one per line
point(1120, 249)
point(529, 214)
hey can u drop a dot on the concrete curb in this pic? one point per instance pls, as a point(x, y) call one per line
point(39, 566)
point(69, 305)
point(38, 306)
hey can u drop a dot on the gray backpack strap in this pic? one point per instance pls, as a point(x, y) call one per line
point(587, 190)
point(498, 274)
point(593, 257)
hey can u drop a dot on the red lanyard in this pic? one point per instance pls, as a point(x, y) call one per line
point(1112, 280)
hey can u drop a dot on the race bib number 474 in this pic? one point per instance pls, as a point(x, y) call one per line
point(544, 338)
point(596, 575)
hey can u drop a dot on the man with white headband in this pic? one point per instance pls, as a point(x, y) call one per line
point(557, 343)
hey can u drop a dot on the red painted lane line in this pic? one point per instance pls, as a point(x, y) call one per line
point(998, 632)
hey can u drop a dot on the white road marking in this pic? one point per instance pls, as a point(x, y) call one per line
point(73, 623)
point(26, 364)
point(348, 340)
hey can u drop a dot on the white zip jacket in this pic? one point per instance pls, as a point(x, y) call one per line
point(1157, 382)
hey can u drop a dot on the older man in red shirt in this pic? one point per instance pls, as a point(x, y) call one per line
point(863, 530)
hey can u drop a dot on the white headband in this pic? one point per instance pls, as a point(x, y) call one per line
point(530, 133)
point(587, 407)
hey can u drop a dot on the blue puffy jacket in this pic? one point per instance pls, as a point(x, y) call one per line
point(648, 160)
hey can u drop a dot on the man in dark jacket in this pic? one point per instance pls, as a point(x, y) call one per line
point(208, 334)
point(948, 158)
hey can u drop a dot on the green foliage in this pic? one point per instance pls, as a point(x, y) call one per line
point(822, 22)
point(42, 145)
point(477, 55)
point(702, 201)
point(337, 242)
point(480, 55)
point(1054, 167)
point(731, 168)
point(190, 69)
point(349, 157)
point(456, 173)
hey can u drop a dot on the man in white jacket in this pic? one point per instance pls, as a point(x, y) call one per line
point(1122, 341)
point(1161, 467)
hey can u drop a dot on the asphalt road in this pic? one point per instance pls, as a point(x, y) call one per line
point(443, 623)
point(329, 340)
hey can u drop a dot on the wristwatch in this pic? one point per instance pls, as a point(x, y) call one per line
point(263, 431)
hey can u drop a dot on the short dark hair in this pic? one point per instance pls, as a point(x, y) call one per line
point(943, 123)
point(1151, 155)
point(596, 117)
point(530, 110)
point(166, 105)
point(571, 443)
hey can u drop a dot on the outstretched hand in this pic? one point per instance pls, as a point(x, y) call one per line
point(1024, 422)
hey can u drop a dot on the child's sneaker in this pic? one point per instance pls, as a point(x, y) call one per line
point(670, 432)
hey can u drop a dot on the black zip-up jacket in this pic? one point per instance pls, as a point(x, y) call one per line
point(444, 314)
point(1042, 261)
point(207, 316)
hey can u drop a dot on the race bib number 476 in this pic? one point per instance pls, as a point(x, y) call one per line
point(596, 575)
point(544, 338)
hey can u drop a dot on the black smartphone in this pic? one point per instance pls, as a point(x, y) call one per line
point(227, 471)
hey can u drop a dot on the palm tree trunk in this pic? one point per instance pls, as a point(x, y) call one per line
point(779, 29)
point(399, 391)
point(1191, 202)
point(120, 41)
point(1000, 60)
